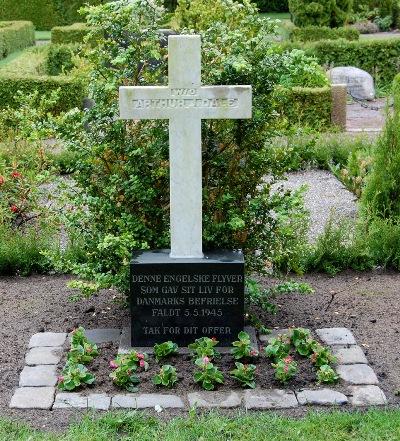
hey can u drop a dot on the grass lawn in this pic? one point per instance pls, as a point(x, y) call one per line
point(276, 15)
point(43, 35)
point(336, 426)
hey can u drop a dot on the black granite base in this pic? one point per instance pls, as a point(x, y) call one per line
point(184, 299)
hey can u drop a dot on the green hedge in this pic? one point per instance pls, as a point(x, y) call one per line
point(272, 5)
point(15, 35)
point(381, 58)
point(332, 13)
point(45, 14)
point(316, 33)
point(303, 106)
point(71, 90)
point(69, 34)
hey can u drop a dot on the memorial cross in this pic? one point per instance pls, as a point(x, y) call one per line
point(184, 102)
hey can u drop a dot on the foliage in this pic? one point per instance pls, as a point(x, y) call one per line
point(285, 369)
point(59, 59)
point(278, 348)
point(208, 375)
point(376, 9)
point(384, 23)
point(302, 341)
point(244, 374)
point(167, 376)
point(272, 5)
point(326, 374)
point(125, 367)
point(321, 356)
point(379, 57)
point(204, 347)
point(315, 33)
point(74, 33)
point(44, 13)
point(82, 350)
point(242, 348)
point(122, 167)
point(14, 36)
point(332, 13)
point(74, 376)
point(166, 349)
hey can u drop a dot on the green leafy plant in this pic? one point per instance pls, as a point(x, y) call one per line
point(242, 347)
point(125, 370)
point(82, 350)
point(326, 374)
point(278, 347)
point(302, 341)
point(285, 369)
point(167, 376)
point(165, 349)
point(74, 375)
point(208, 375)
point(244, 374)
point(321, 356)
point(204, 347)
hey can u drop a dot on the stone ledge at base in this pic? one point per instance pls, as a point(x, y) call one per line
point(367, 396)
point(71, 400)
point(269, 399)
point(33, 398)
point(208, 400)
point(144, 401)
point(322, 397)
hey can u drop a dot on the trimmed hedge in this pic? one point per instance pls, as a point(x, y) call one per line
point(304, 106)
point(272, 5)
point(45, 14)
point(71, 90)
point(15, 35)
point(316, 33)
point(69, 34)
point(332, 13)
point(381, 58)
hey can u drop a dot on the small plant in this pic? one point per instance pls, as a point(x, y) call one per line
point(278, 347)
point(326, 374)
point(74, 376)
point(242, 347)
point(166, 349)
point(244, 374)
point(125, 367)
point(209, 375)
point(82, 350)
point(204, 347)
point(302, 341)
point(321, 356)
point(285, 369)
point(167, 376)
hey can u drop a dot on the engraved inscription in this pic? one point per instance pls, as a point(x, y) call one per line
point(185, 103)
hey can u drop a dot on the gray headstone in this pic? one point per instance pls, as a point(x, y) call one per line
point(360, 84)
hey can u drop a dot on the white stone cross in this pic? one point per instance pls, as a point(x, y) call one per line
point(184, 102)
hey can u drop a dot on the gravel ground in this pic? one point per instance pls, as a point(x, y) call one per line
point(325, 195)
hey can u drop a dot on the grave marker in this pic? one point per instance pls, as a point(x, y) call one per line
point(198, 280)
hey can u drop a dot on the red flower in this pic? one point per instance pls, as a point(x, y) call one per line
point(214, 338)
point(254, 353)
point(113, 365)
point(60, 379)
point(14, 208)
point(142, 363)
point(288, 359)
point(206, 360)
point(16, 174)
point(2, 180)
point(140, 356)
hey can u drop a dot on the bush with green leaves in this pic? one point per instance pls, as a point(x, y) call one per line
point(208, 375)
point(326, 374)
point(82, 350)
point(316, 33)
point(125, 368)
point(59, 59)
point(165, 349)
point(278, 348)
point(244, 374)
point(71, 34)
point(332, 13)
point(167, 377)
point(285, 369)
point(122, 167)
point(74, 376)
point(15, 36)
point(242, 347)
point(204, 347)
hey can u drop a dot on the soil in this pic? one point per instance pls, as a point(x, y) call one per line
point(367, 303)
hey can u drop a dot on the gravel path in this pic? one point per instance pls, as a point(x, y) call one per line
point(325, 195)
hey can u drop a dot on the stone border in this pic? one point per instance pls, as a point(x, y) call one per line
point(38, 380)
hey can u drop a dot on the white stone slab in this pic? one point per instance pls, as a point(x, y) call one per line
point(336, 336)
point(367, 396)
point(357, 374)
point(43, 355)
point(38, 376)
point(145, 401)
point(49, 339)
point(33, 398)
point(99, 401)
point(349, 355)
point(70, 400)
point(269, 399)
point(185, 102)
point(321, 397)
point(222, 400)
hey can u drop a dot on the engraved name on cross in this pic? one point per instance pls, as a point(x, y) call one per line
point(184, 102)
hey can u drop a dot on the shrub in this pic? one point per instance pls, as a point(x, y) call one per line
point(123, 168)
point(45, 14)
point(272, 5)
point(74, 33)
point(15, 35)
point(377, 8)
point(380, 58)
point(60, 59)
point(332, 13)
point(315, 33)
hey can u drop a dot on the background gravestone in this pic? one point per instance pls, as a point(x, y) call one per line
point(360, 84)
